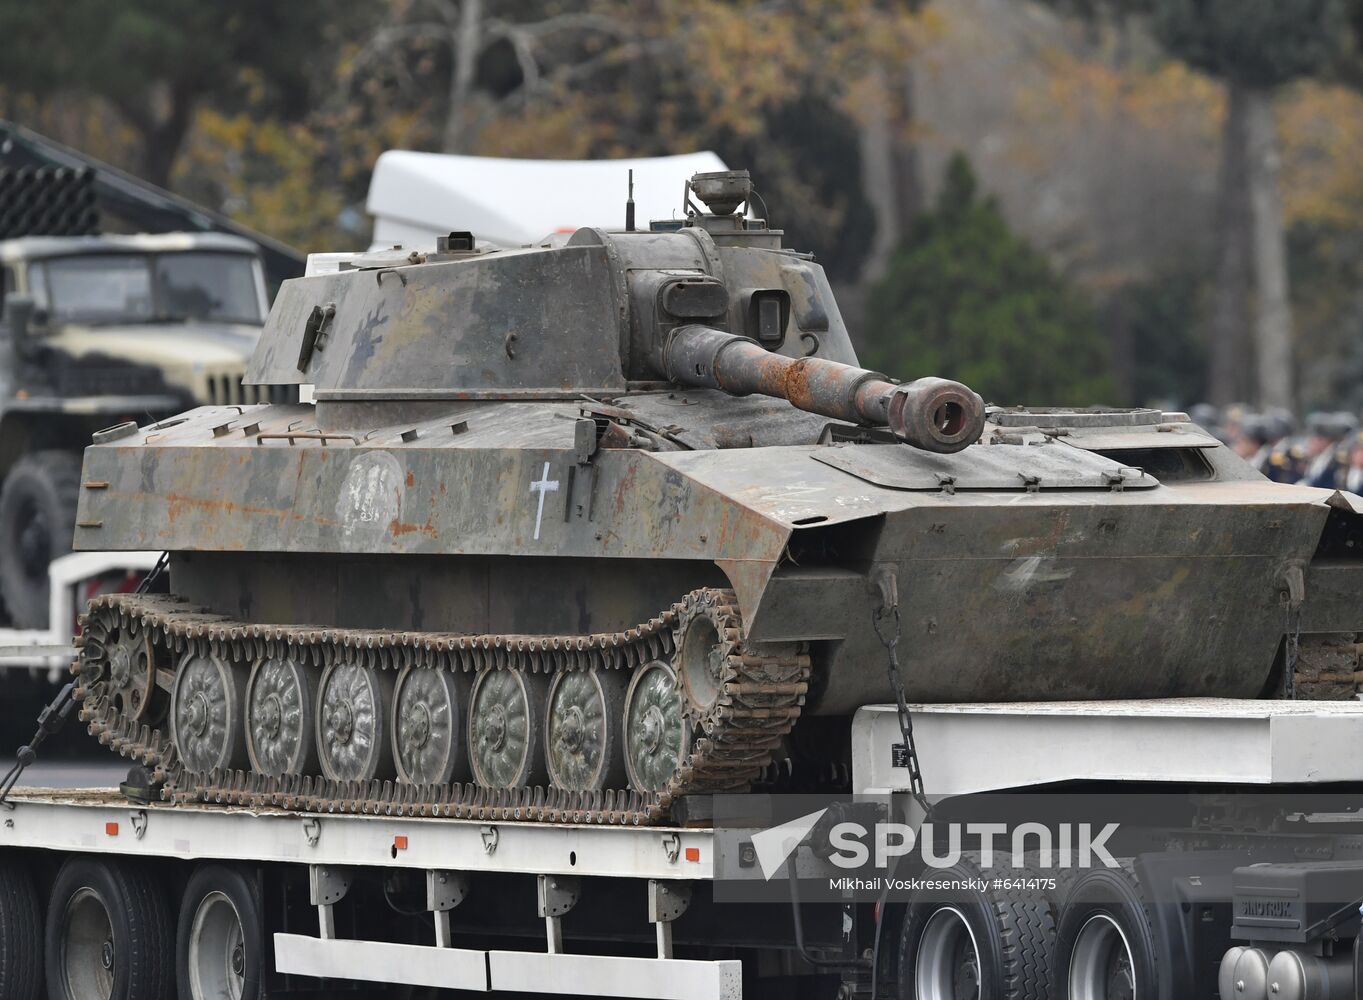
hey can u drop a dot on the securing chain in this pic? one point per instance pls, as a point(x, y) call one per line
point(162, 564)
point(1293, 629)
point(889, 608)
point(54, 715)
point(1295, 593)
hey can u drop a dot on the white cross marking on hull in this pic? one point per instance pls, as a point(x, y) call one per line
point(542, 486)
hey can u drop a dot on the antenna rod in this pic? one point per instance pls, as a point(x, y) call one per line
point(629, 205)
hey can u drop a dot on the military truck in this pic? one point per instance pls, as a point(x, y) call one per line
point(95, 330)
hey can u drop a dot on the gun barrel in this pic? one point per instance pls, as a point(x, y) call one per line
point(930, 413)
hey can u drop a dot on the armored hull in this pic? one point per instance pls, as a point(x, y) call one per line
point(528, 552)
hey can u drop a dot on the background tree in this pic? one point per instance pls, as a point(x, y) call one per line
point(156, 60)
point(1255, 47)
point(782, 87)
point(963, 297)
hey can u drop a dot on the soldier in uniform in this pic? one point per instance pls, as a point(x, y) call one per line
point(1353, 474)
point(1264, 441)
point(1325, 451)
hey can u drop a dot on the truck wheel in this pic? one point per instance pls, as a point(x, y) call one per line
point(994, 945)
point(1104, 947)
point(220, 944)
point(21, 941)
point(37, 518)
point(108, 934)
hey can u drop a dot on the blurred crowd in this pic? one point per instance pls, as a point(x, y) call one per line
point(1326, 450)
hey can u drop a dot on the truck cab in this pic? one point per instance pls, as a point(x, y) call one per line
point(95, 330)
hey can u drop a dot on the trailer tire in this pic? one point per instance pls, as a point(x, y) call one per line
point(124, 904)
point(1104, 931)
point(37, 519)
point(220, 915)
point(1009, 931)
point(21, 938)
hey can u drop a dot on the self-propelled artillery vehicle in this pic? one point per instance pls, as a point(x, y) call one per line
point(575, 530)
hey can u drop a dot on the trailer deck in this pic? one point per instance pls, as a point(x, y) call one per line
point(645, 877)
point(97, 821)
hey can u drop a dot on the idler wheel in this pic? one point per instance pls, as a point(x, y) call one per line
point(428, 726)
point(207, 703)
point(506, 728)
point(702, 656)
point(657, 734)
point(281, 707)
point(583, 748)
point(354, 703)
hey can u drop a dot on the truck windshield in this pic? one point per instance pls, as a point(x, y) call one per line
point(149, 288)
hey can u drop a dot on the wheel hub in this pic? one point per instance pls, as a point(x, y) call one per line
point(496, 727)
point(417, 725)
point(571, 729)
point(198, 714)
point(120, 665)
point(272, 716)
point(966, 982)
point(651, 732)
point(947, 963)
point(1102, 966)
point(106, 954)
point(343, 723)
point(1121, 983)
point(216, 959)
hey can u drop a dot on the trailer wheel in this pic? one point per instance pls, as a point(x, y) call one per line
point(220, 944)
point(992, 945)
point(108, 934)
point(37, 517)
point(21, 940)
point(1104, 947)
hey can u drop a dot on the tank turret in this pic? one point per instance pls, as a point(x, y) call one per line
point(713, 301)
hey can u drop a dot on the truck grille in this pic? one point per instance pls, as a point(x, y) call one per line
point(83, 378)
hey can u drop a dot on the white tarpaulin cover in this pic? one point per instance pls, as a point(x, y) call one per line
point(415, 197)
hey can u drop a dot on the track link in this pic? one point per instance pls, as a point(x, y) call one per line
point(761, 692)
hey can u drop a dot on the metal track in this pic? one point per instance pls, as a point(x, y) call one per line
point(761, 694)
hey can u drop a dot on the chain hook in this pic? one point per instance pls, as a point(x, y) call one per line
point(888, 587)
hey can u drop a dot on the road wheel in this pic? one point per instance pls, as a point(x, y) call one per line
point(37, 518)
point(970, 945)
point(1104, 947)
point(108, 934)
point(220, 944)
point(21, 938)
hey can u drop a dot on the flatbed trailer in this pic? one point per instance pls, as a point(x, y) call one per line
point(97, 889)
point(541, 867)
